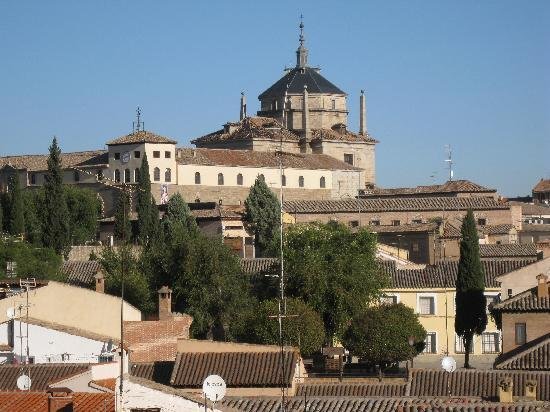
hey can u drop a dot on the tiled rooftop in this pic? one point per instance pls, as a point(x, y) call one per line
point(339, 132)
point(531, 209)
point(159, 372)
point(250, 158)
point(346, 390)
point(535, 228)
point(534, 356)
point(80, 272)
point(542, 186)
point(38, 402)
point(527, 301)
point(406, 228)
point(254, 266)
point(34, 163)
point(294, 81)
point(42, 374)
point(142, 136)
point(508, 250)
point(454, 186)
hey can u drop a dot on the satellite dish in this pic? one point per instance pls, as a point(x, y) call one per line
point(448, 364)
point(214, 388)
point(24, 383)
point(10, 312)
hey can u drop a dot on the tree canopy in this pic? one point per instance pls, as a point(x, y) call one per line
point(471, 315)
point(332, 270)
point(380, 335)
point(16, 223)
point(83, 206)
point(32, 261)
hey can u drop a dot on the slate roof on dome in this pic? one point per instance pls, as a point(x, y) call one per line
point(141, 136)
point(294, 81)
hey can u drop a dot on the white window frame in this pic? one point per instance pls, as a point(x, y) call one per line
point(491, 294)
point(498, 340)
point(426, 295)
point(436, 346)
point(391, 295)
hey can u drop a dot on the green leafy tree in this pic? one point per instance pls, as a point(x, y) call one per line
point(145, 206)
point(380, 334)
point(83, 206)
point(136, 286)
point(303, 327)
point(333, 270)
point(471, 316)
point(123, 226)
point(263, 214)
point(55, 227)
point(178, 215)
point(32, 261)
point(34, 201)
point(17, 207)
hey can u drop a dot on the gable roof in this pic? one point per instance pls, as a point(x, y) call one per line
point(35, 163)
point(542, 186)
point(253, 266)
point(80, 272)
point(452, 186)
point(141, 136)
point(530, 209)
point(239, 369)
point(527, 301)
point(41, 374)
point(294, 80)
point(533, 355)
point(250, 158)
point(508, 250)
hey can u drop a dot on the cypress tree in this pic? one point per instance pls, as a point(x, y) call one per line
point(16, 222)
point(144, 205)
point(56, 216)
point(471, 316)
point(263, 214)
point(1, 217)
point(123, 226)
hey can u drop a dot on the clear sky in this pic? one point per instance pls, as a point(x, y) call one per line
point(472, 74)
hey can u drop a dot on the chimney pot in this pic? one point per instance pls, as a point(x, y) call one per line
point(505, 390)
point(542, 286)
point(531, 389)
point(165, 303)
point(99, 282)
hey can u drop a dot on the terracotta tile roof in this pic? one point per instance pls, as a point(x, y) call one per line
point(413, 227)
point(73, 401)
point(159, 372)
point(454, 186)
point(41, 374)
point(527, 301)
point(352, 389)
point(542, 186)
point(531, 209)
point(392, 204)
point(535, 228)
point(495, 229)
point(389, 404)
point(219, 212)
point(106, 383)
point(239, 369)
point(294, 80)
point(247, 129)
point(254, 266)
point(443, 275)
point(475, 383)
point(24, 402)
point(98, 402)
point(250, 158)
point(80, 272)
point(534, 355)
point(34, 163)
point(508, 250)
point(142, 136)
point(340, 132)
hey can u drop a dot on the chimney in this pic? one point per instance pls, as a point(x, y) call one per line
point(60, 399)
point(362, 114)
point(542, 286)
point(305, 115)
point(99, 281)
point(165, 303)
point(505, 390)
point(531, 390)
point(243, 106)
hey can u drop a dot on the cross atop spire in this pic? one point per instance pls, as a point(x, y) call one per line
point(301, 53)
point(138, 124)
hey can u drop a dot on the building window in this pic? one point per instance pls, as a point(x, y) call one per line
point(117, 156)
point(65, 357)
point(430, 343)
point(459, 345)
point(117, 175)
point(105, 357)
point(220, 179)
point(301, 181)
point(283, 180)
point(137, 154)
point(353, 223)
point(156, 174)
point(490, 342)
point(510, 294)
point(348, 158)
point(415, 246)
point(197, 178)
point(322, 182)
point(395, 222)
point(374, 223)
point(426, 305)
point(481, 221)
point(333, 104)
point(521, 333)
point(76, 176)
point(417, 221)
point(388, 299)
point(168, 175)
point(136, 175)
point(156, 154)
point(240, 179)
point(167, 154)
point(127, 175)
point(33, 178)
point(491, 299)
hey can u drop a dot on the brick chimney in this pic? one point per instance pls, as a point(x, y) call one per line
point(99, 281)
point(60, 400)
point(165, 303)
point(505, 390)
point(531, 390)
point(542, 286)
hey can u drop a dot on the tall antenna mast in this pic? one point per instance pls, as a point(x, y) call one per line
point(138, 125)
point(449, 160)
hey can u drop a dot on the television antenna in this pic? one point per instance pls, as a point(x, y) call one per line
point(24, 383)
point(449, 161)
point(448, 364)
point(214, 389)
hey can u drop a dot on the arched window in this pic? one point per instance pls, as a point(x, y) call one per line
point(127, 175)
point(220, 179)
point(117, 175)
point(322, 182)
point(197, 178)
point(136, 175)
point(76, 176)
point(168, 175)
point(156, 174)
point(240, 179)
point(301, 181)
point(283, 180)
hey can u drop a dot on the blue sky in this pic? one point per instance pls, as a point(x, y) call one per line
point(472, 74)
